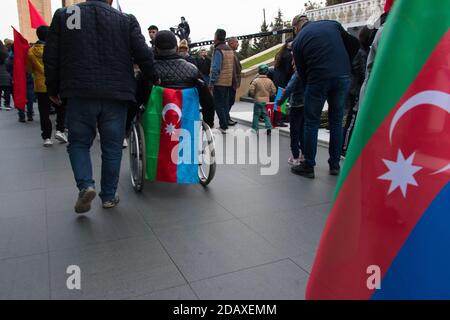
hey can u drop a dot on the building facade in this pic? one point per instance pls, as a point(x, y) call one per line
point(43, 6)
point(352, 15)
point(45, 9)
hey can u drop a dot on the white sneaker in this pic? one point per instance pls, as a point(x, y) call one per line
point(61, 137)
point(125, 143)
point(48, 143)
point(295, 162)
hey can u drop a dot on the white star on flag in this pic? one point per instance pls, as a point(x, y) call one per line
point(401, 173)
point(171, 129)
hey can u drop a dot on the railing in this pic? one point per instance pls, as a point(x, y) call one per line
point(351, 13)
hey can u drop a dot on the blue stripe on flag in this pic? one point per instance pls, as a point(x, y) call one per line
point(187, 172)
point(421, 269)
point(278, 97)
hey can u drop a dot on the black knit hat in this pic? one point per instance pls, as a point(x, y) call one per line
point(166, 40)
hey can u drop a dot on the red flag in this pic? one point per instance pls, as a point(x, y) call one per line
point(21, 48)
point(36, 19)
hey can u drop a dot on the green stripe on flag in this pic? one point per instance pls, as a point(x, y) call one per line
point(152, 127)
point(412, 31)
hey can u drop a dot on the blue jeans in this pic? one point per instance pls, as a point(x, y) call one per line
point(83, 117)
point(336, 92)
point(222, 102)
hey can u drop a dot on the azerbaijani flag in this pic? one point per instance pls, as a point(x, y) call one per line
point(281, 108)
point(172, 126)
point(391, 212)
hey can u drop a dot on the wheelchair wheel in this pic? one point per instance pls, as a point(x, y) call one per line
point(137, 157)
point(207, 157)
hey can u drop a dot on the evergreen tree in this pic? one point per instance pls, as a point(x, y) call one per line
point(333, 2)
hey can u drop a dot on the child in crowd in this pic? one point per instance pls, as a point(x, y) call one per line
point(261, 89)
point(295, 91)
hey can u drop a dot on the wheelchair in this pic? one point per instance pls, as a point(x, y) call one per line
point(138, 153)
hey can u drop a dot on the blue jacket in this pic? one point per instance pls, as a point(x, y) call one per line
point(216, 67)
point(320, 53)
point(294, 90)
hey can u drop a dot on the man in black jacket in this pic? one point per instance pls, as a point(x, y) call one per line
point(91, 66)
point(323, 63)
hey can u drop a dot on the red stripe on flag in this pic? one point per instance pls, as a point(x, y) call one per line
point(171, 123)
point(368, 226)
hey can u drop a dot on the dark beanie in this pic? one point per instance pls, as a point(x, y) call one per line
point(165, 40)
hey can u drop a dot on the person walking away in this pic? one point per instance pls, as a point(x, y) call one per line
point(221, 79)
point(261, 89)
point(358, 76)
point(295, 92)
point(204, 65)
point(5, 78)
point(31, 97)
point(233, 43)
point(323, 64)
point(35, 66)
point(282, 74)
point(78, 68)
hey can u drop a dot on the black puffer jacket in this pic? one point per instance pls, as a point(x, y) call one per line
point(96, 61)
point(175, 72)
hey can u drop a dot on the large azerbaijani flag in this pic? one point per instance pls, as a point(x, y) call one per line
point(391, 212)
point(172, 127)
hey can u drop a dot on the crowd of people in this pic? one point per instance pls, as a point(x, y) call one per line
point(94, 90)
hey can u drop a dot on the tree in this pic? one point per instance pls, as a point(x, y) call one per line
point(333, 2)
point(246, 50)
point(310, 5)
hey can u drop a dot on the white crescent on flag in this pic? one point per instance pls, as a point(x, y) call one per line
point(173, 107)
point(431, 97)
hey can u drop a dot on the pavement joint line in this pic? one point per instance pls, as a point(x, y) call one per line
point(306, 271)
point(161, 290)
point(240, 270)
point(24, 256)
point(165, 250)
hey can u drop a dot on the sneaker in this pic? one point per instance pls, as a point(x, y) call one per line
point(85, 198)
point(61, 137)
point(294, 162)
point(223, 131)
point(282, 125)
point(22, 121)
point(8, 108)
point(269, 132)
point(304, 171)
point(125, 144)
point(48, 143)
point(30, 119)
point(112, 203)
point(232, 123)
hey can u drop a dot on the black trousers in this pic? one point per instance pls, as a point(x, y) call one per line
point(44, 104)
point(353, 102)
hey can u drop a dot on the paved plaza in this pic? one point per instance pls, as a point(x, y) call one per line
point(246, 236)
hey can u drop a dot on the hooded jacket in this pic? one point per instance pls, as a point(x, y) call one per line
point(35, 66)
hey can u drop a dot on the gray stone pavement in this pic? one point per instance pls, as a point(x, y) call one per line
point(245, 237)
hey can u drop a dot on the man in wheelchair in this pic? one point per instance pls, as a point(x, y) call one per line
point(174, 72)
point(152, 130)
